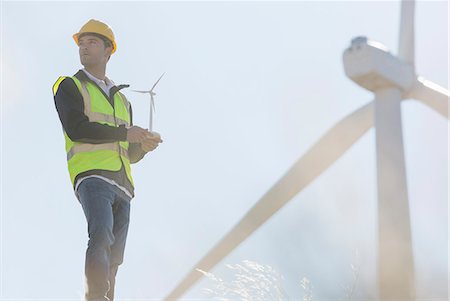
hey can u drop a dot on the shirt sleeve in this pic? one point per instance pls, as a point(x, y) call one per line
point(70, 106)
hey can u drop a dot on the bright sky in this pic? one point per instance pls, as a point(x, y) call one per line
point(249, 87)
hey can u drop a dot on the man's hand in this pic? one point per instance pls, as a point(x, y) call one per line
point(151, 143)
point(136, 134)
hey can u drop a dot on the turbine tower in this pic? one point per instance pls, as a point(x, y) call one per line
point(392, 79)
point(371, 66)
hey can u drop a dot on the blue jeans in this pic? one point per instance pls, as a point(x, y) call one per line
point(107, 211)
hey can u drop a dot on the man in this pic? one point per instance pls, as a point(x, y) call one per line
point(101, 143)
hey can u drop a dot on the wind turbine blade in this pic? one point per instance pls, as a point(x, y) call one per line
point(406, 36)
point(157, 81)
point(318, 158)
point(140, 91)
point(431, 94)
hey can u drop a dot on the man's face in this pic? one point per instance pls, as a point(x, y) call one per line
point(92, 51)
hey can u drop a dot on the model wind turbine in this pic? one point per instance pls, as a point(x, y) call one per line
point(152, 102)
point(392, 79)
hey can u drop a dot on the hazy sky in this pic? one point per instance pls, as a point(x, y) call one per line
point(249, 87)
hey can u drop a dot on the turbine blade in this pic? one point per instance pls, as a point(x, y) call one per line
point(318, 158)
point(431, 94)
point(157, 81)
point(140, 91)
point(406, 35)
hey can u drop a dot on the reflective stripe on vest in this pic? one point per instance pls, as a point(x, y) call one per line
point(87, 147)
point(111, 156)
point(96, 115)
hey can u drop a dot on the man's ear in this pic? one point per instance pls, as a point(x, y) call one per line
point(108, 52)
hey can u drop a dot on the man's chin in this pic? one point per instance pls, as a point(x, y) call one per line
point(84, 62)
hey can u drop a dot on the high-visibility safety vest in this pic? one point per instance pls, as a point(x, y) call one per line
point(82, 157)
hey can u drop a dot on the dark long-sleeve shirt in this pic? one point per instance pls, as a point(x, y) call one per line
point(70, 106)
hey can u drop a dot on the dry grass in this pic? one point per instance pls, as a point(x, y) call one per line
point(255, 282)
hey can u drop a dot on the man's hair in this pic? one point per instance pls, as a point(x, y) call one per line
point(105, 40)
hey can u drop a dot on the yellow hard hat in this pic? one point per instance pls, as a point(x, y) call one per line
point(97, 27)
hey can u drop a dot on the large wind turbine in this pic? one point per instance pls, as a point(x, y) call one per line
point(392, 79)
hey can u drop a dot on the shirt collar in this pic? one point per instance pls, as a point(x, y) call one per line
point(98, 81)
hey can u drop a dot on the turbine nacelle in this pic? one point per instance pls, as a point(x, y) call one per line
point(370, 65)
